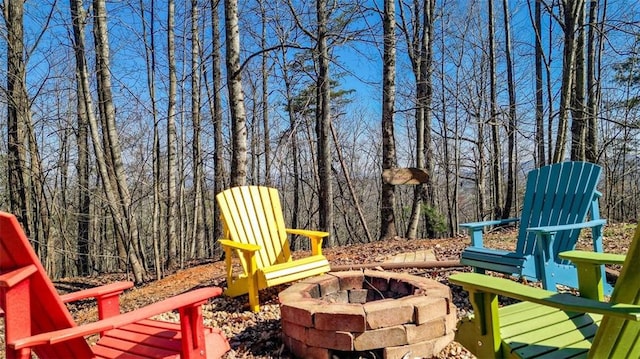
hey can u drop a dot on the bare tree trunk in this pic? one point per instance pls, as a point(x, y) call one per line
point(172, 186)
point(571, 11)
point(420, 53)
point(150, 57)
point(118, 196)
point(387, 215)
point(512, 126)
point(540, 143)
point(265, 97)
point(323, 123)
point(199, 239)
point(18, 108)
point(236, 97)
point(594, 52)
point(578, 103)
point(215, 101)
point(496, 155)
point(78, 18)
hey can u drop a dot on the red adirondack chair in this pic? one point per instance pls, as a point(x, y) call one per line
point(37, 320)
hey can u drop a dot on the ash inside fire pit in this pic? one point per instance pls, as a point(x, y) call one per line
point(385, 314)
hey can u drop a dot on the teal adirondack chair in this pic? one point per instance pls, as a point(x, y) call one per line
point(558, 199)
point(548, 324)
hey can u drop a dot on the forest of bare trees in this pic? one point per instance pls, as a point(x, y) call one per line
point(123, 119)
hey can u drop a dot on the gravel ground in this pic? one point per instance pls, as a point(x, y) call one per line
point(257, 335)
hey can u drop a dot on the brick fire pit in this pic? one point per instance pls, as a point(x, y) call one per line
point(388, 314)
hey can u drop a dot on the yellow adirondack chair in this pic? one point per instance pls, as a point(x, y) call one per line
point(255, 232)
point(547, 324)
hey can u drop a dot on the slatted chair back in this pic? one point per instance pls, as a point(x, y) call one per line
point(558, 194)
point(37, 299)
point(617, 337)
point(253, 215)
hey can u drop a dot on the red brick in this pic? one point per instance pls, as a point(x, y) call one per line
point(349, 279)
point(301, 350)
point(330, 339)
point(343, 317)
point(417, 350)
point(300, 312)
point(380, 338)
point(296, 347)
point(341, 296)
point(299, 291)
point(388, 313)
point(328, 283)
point(451, 320)
point(358, 296)
point(426, 308)
point(294, 330)
point(430, 330)
point(440, 343)
point(317, 353)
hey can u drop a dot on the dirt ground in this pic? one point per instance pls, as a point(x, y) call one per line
point(257, 335)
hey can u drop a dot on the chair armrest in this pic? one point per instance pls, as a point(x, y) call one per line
point(567, 227)
point(107, 297)
point(240, 246)
point(316, 238)
point(474, 282)
point(480, 225)
point(10, 279)
point(589, 268)
point(97, 292)
point(475, 229)
point(190, 299)
point(592, 258)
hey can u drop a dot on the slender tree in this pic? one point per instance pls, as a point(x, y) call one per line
point(17, 114)
point(496, 141)
point(236, 96)
point(172, 186)
point(323, 122)
point(578, 101)
point(78, 18)
point(512, 122)
point(109, 158)
point(387, 214)
point(199, 208)
point(571, 10)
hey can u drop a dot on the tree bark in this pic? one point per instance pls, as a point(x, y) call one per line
point(541, 158)
point(387, 204)
point(578, 102)
point(114, 181)
point(215, 103)
point(513, 125)
point(570, 10)
point(236, 96)
point(150, 57)
point(172, 186)
point(594, 52)
point(17, 109)
point(198, 238)
point(323, 124)
point(496, 153)
point(78, 18)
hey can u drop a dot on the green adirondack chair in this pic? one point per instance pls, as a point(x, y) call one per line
point(548, 324)
point(558, 200)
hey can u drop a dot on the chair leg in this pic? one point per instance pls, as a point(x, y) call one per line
point(254, 297)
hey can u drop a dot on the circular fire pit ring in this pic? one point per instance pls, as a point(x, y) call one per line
point(342, 313)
